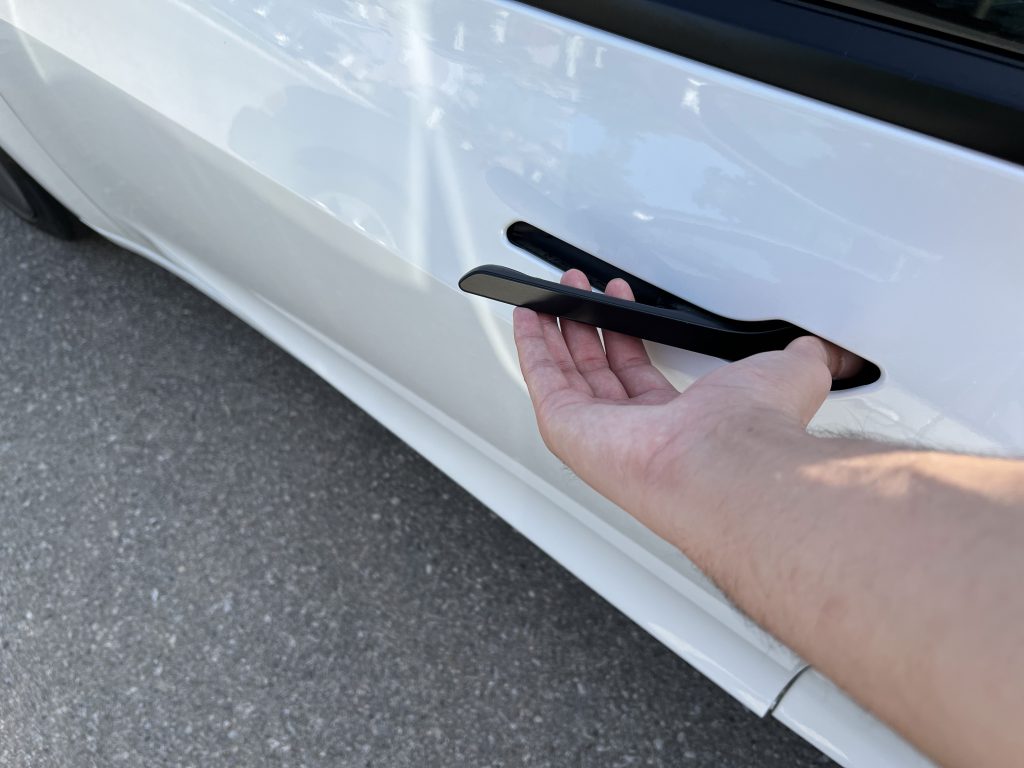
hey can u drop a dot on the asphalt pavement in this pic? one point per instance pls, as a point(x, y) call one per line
point(209, 557)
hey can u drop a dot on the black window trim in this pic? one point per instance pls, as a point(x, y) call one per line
point(951, 90)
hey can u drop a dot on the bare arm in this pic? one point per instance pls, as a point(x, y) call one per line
point(898, 573)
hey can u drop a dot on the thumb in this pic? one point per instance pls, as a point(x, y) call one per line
point(817, 362)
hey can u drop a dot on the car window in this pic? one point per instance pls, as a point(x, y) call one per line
point(996, 23)
point(951, 69)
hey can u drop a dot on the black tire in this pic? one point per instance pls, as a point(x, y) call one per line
point(23, 195)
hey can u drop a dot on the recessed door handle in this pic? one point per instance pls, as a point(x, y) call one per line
point(685, 327)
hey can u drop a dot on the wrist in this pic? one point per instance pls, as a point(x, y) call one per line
point(733, 466)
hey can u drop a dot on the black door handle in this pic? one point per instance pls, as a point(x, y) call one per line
point(685, 327)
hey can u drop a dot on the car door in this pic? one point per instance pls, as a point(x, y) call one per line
point(329, 170)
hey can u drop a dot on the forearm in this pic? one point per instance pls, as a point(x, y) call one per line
point(897, 573)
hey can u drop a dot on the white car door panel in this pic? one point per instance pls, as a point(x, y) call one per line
point(274, 188)
point(329, 170)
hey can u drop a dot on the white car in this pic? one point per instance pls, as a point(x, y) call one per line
point(329, 169)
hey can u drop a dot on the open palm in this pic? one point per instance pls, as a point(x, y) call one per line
point(615, 420)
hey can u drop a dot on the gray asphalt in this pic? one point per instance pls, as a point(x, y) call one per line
point(208, 557)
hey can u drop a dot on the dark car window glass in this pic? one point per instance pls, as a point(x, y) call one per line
point(995, 23)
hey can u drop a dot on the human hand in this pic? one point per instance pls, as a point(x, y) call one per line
point(618, 423)
point(852, 553)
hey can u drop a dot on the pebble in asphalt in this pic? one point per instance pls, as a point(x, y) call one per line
point(209, 557)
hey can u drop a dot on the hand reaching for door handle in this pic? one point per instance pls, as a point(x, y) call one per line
point(854, 553)
point(612, 417)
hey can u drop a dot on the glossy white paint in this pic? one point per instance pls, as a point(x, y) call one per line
point(328, 170)
point(822, 714)
point(19, 144)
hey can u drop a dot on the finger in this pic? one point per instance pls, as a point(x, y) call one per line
point(586, 348)
point(841, 363)
point(560, 353)
point(543, 375)
point(627, 355)
point(810, 379)
point(542, 352)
